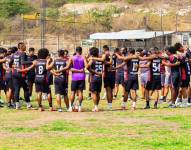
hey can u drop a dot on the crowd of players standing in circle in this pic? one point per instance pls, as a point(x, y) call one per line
point(159, 72)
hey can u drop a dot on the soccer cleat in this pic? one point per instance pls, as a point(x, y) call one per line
point(52, 109)
point(41, 109)
point(123, 108)
point(29, 106)
point(172, 106)
point(79, 109)
point(178, 104)
point(147, 107)
point(155, 106)
point(189, 104)
point(95, 110)
point(17, 106)
point(60, 110)
point(183, 105)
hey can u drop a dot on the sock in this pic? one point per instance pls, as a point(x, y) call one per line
point(189, 100)
point(178, 100)
point(148, 103)
point(124, 104)
point(96, 107)
point(50, 104)
point(184, 100)
point(110, 105)
point(156, 102)
point(164, 97)
point(89, 94)
point(161, 97)
point(134, 104)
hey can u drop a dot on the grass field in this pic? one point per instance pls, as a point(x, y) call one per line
point(106, 130)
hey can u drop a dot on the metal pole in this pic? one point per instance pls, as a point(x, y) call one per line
point(161, 29)
point(176, 22)
point(75, 29)
point(23, 28)
point(43, 25)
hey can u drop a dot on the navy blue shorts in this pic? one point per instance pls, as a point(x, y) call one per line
point(61, 87)
point(109, 81)
point(78, 85)
point(9, 84)
point(2, 85)
point(119, 79)
point(185, 83)
point(175, 80)
point(30, 79)
point(132, 84)
point(96, 85)
point(155, 84)
point(42, 86)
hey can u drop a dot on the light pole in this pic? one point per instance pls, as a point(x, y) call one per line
point(43, 23)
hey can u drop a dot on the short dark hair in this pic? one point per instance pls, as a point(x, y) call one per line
point(117, 50)
point(14, 49)
point(79, 50)
point(139, 50)
point(43, 53)
point(61, 52)
point(105, 47)
point(94, 51)
point(3, 50)
point(31, 49)
point(131, 50)
point(66, 52)
point(172, 50)
point(177, 46)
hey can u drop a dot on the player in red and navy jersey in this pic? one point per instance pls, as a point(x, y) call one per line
point(96, 70)
point(31, 74)
point(20, 61)
point(60, 79)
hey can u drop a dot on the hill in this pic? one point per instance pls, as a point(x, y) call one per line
point(90, 16)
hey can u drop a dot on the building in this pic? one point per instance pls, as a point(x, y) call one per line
point(141, 38)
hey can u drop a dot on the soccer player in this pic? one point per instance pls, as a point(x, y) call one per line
point(119, 77)
point(109, 73)
point(31, 73)
point(2, 73)
point(19, 78)
point(132, 63)
point(184, 73)
point(77, 63)
point(144, 72)
point(7, 66)
point(42, 64)
point(96, 69)
point(61, 88)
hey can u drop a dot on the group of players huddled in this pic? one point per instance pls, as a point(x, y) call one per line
point(158, 71)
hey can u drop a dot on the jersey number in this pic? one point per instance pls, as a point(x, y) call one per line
point(156, 67)
point(40, 69)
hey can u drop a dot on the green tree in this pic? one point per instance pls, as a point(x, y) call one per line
point(10, 8)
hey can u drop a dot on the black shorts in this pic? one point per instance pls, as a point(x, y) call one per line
point(154, 85)
point(2, 85)
point(78, 85)
point(96, 86)
point(42, 87)
point(119, 79)
point(131, 84)
point(185, 83)
point(175, 80)
point(30, 79)
point(109, 81)
point(9, 84)
point(61, 88)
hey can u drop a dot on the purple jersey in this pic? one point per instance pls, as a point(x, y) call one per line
point(78, 63)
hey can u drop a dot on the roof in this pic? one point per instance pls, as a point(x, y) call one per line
point(129, 35)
